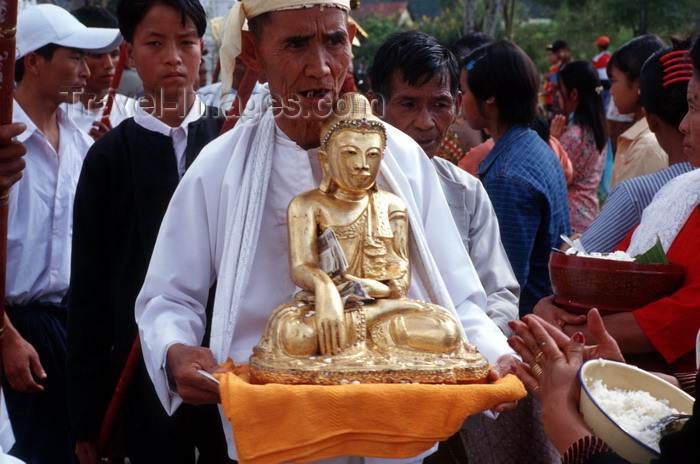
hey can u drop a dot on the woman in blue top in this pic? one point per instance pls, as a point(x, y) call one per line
point(524, 181)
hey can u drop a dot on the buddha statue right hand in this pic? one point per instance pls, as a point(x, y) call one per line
point(330, 320)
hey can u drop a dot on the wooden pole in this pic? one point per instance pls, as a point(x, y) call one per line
point(116, 79)
point(8, 28)
point(104, 438)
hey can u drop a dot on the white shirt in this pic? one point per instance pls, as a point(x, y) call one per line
point(189, 249)
point(41, 212)
point(177, 134)
point(123, 107)
point(294, 171)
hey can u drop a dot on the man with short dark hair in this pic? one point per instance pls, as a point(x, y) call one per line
point(417, 79)
point(560, 48)
point(49, 63)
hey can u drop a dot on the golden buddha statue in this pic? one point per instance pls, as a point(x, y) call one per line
point(352, 322)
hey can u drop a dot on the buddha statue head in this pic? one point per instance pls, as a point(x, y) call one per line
point(352, 146)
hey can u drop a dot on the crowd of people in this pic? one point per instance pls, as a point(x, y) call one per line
point(153, 231)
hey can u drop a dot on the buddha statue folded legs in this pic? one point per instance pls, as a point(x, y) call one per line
point(388, 341)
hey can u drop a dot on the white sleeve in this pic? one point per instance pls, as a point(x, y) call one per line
point(459, 273)
point(482, 332)
point(491, 261)
point(171, 306)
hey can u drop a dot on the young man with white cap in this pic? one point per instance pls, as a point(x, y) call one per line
point(49, 63)
point(227, 219)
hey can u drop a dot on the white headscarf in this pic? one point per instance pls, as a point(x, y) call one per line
point(667, 213)
point(248, 9)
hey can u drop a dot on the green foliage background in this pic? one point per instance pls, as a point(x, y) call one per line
point(536, 22)
point(539, 22)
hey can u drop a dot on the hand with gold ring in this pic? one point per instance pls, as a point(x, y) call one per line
point(538, 356)
point(540, 353)
point(605, 345)
point(536, 369)
point(553, 379)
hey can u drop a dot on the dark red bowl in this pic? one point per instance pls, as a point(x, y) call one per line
point(583, 283)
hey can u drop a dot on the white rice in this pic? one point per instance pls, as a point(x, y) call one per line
point(614, 256)
point(633, 410)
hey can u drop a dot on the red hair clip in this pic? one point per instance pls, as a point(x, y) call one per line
point(677, 67)
point(672, 54)
point(677, 79)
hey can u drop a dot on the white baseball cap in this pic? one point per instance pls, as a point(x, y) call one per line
point(45, 24)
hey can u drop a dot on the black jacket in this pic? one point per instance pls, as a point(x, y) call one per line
point(125, 186)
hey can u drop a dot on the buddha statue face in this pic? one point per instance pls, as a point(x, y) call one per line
point(352, 158)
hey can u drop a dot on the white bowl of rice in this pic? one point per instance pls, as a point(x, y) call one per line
point(619, 401)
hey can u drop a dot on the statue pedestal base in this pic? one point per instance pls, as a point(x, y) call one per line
point(368, 366)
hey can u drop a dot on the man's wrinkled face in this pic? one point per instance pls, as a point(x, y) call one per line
point(690, 126)
point(424, 112)
point(304, 54)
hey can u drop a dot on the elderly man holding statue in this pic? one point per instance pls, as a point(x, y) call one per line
point(227, 222)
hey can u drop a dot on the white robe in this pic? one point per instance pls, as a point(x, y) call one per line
point(188, 252)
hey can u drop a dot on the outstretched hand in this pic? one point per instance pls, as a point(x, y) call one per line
point(558, 317)
point(543, 354)
point(525, 345)
point(549, 372)
point(184, 362)
point(505, 365)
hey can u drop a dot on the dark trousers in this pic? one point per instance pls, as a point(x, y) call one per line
point(153, 437)
point(40, 420)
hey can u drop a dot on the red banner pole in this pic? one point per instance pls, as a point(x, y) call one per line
point(116, 79)
point(8, 28)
